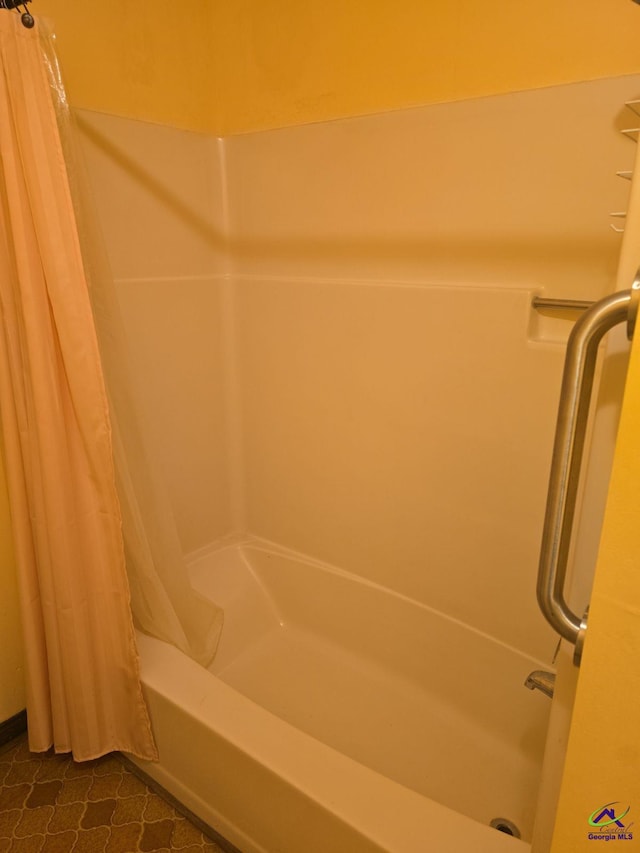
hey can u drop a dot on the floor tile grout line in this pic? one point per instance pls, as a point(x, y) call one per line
point(205, 828)
point(165, 815)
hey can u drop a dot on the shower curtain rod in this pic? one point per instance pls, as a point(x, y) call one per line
point(26, 17)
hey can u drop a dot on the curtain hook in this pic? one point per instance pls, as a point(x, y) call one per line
point(26, 17)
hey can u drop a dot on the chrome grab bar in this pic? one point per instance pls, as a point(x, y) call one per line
point(573, 411)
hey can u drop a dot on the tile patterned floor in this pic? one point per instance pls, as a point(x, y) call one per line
point(52, 804)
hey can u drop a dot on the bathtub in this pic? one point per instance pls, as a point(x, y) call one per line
point(339, 716)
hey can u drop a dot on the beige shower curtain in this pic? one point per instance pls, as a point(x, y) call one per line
point(83, 689)
point(163, 602)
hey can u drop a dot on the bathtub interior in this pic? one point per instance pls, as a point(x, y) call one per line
point(263, 785)
point(403, 690)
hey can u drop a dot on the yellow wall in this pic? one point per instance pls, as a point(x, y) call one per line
point(604, 749)
point(245, 65)
point(284, 62)
point(142, 60)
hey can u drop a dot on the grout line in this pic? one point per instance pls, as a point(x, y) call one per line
point(51, 799)
point(162, 792)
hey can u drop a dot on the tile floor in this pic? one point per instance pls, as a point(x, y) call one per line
point(52, 804)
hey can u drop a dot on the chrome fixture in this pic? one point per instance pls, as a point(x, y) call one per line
point(503, 824)
point(542, 681)
point(631, 133)
point(573, 410)
point(541, 303)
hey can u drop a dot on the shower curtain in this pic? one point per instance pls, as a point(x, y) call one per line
point(83, 687)
point(94, 536)
point(163, 601)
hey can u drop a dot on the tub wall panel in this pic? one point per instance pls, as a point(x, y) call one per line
point(500, 190)
point(175, 337)
point(403, 434)
point(158, 197)
point(158, 194)
point(398, 402)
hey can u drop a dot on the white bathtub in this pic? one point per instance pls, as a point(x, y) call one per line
point(339, 716)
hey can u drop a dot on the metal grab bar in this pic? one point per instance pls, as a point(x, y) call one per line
point(573, 410)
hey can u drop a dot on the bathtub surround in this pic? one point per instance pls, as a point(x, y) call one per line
point(356, 303)
point(164, 229)
point(82, 678)
point(331, 333)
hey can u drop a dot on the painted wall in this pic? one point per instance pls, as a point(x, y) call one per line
point(608, 684)
point(148, 62)
point(233, 67)
point(283, 63)
point(608, 688)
